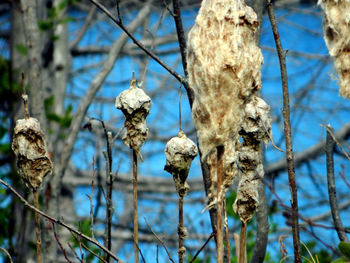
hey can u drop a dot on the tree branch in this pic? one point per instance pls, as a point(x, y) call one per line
point(330, 144)
point(288, 135)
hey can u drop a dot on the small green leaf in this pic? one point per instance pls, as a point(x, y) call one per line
point(340, 260)
point(344, 248)
point(21, 49)
point(45, 25)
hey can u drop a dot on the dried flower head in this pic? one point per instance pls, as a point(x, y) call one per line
point(179, 152)
point(224, 65)
point(256, 128)
point(29, 146)
point(336, 27)
point(135, 105)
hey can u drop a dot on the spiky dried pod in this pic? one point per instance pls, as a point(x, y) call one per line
point(336, 27)
point(179, 152)
point(256, 128)
point(224, 66)
point(29, 146)
point(135, 105)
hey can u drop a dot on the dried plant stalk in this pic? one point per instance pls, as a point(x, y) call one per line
point(33, 161)
point(256, 128)
point(336, 26)
point(135, 105)
point(224, 71)
point(179, 152)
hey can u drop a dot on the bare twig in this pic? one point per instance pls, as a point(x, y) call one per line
point(88, 249)
point(160, 241)
point(330, 144)
point(75, 253)
point(180, 34)
point(84, 28)
point(37, 226)
point(70, 228)
point(147, 51)
point(59, 242)
point(136, 224)
point(213, 234)
point(219, 226)
point(287, 132)
point(7, 253)
point(109, 208)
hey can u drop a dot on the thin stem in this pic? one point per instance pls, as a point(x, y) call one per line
point(287, 133)
point(37, 227)
point(136, 226)
point(180, 34)
point(219, 226)
point(161, 242)
point(227, 239)
point(109, 180)
point(181, 252)
point(330, 144)
point(204, 245)
point(242, 243)
point(180, 118)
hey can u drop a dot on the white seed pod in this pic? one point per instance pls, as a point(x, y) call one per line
point(224, 66)
point(135, 105)
point(29, 146)
point(257, 122)
point(179, 152)
point(336, 27)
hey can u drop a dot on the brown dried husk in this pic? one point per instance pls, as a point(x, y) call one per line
point(135, 105)
point(29, 145)
point(336, 27)
point(224, 66)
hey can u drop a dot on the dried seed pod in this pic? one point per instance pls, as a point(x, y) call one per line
point(336, 27)
point(29, 146)
point(135, 105)
point(179, 152)
point(224, 66)
point(256, 128)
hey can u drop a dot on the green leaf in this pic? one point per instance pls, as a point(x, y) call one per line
point(21, 49)
point(344, 248)
point(45, 25)
point(340, 260)
point(65, 20)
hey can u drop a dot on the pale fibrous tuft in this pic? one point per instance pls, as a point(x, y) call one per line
point(135, 105)
point(256, 129)
point(336, 27)
point(224, 66)
point(29, 146)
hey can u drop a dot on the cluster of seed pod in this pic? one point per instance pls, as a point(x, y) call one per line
point(224, 66)
point(256, 128)
point(336, 27)
point(135, 105)
point(29, 146)
point(179, 152)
